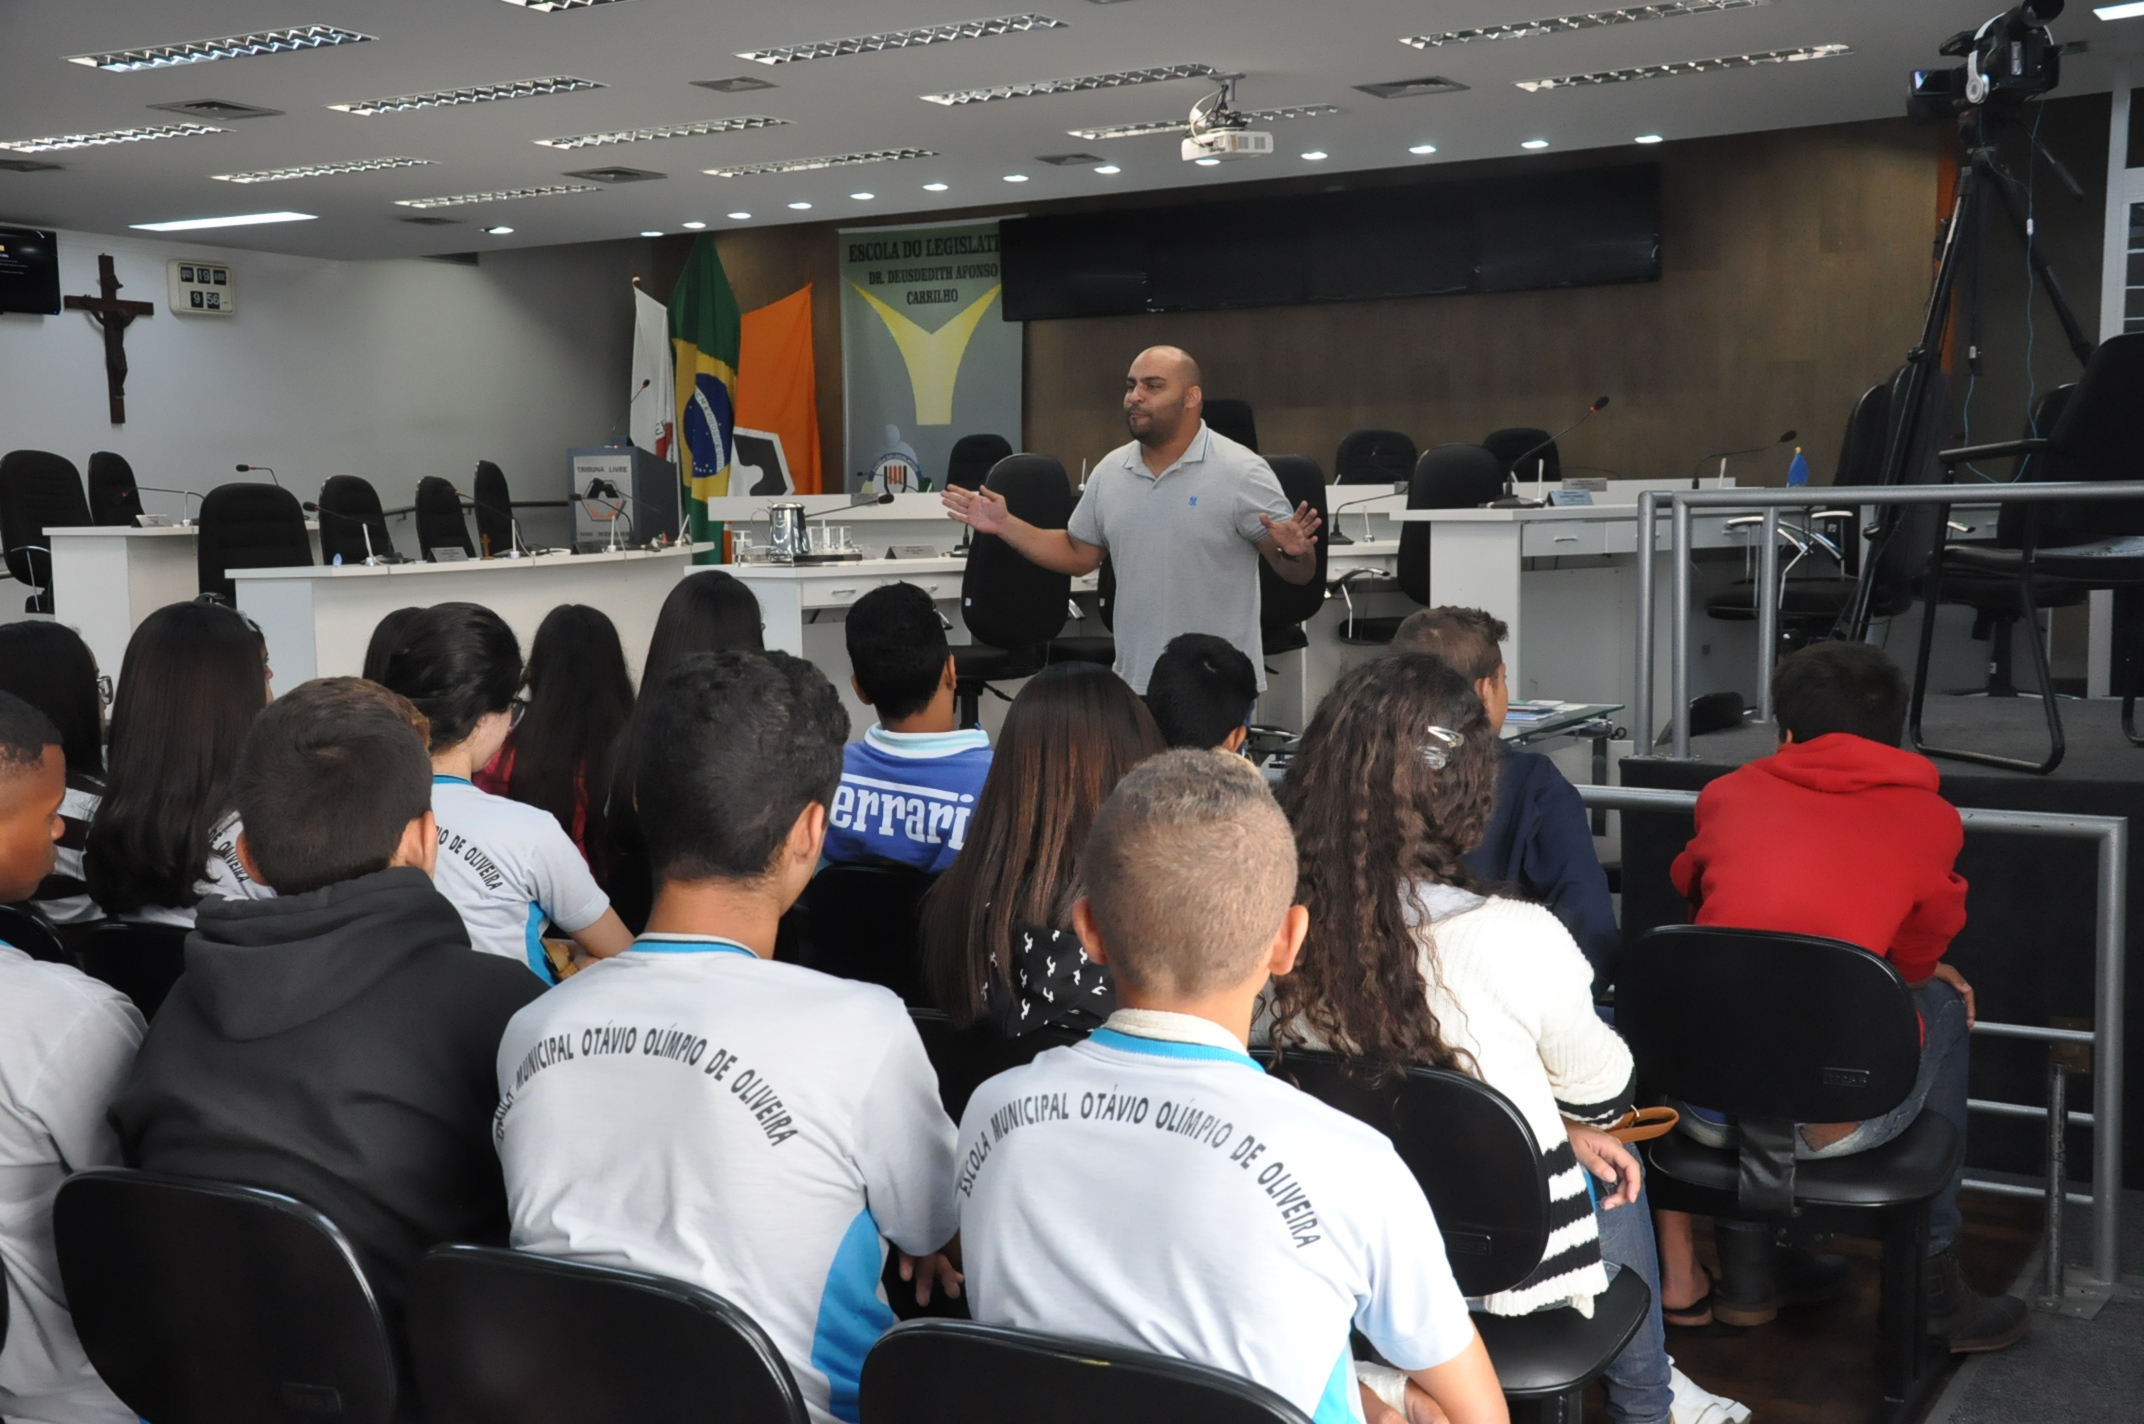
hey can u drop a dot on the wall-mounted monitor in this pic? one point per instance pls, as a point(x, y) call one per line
point(29, 270)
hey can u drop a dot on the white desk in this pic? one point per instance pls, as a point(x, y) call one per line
point(318, 620)
point(910, 519)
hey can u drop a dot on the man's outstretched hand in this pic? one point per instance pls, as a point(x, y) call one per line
point(1296, 535)
point(982, 510)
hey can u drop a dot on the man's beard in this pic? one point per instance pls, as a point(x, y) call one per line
point(1154, 434)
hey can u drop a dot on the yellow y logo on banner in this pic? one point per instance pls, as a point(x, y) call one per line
point(933, 357)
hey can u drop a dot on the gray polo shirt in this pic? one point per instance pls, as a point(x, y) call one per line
point(1184, 544)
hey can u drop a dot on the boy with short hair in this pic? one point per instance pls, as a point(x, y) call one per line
point(335, 1042)
point(692, 1108)
point(1539, 840)
point(1152, 1187)
point(1201, 693)
point(909, 787)
point(66, 1042)
point(1843, 834)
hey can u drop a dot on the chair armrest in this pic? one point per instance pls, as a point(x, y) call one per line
point(1950, 459)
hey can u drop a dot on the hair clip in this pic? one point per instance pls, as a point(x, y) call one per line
point(1443, 741)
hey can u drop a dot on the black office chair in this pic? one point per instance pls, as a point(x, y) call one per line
point(206, 1303)
point(113, 496)
point(967, 1058)
point(863, 924)
point(1012, 607)
point(349, 511)
point(2078, 546)
point(1284, 607)
point(1481, 1168)
point(931, 1371)
point(1098, 648)
point(973, 458)
point(494, 510)
point(1233, 419)
point(485, 1332)
point(246, 526)
point(23, 927)
point(1452, 476)
point(1373, 457)
point(1513, 441)
point(439, 519)
point(1780, 1029)
point(140, 961)
point(38, 491)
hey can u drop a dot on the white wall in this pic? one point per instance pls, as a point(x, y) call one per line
point(388, 369)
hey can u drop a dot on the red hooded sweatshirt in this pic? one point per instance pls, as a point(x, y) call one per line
point(1839, 836)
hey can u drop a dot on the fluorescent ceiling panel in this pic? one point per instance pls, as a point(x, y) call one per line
point(1116, 79)
point(320, 170)
point(901, 39)
point(1570, 24)
point(549, 6)
point(229, 47)
point(1685, 66)
point(499, 195)
point(1183, 126)
point(698, 130)
point(232, 220)
point(832, 160)
point(52, 143)
point(2129, 11)
point(475, 94)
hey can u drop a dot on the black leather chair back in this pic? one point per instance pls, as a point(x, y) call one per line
point(484, 1331)
point(113, 496)
point(2011, 519)
point(863, 922)
point(973, 458)
point(1233, 419)
point(1906, 533)
point(494, 510)
point(1772, 1026)
point(439, 518)
point(1467, 1145)
point(1861, 448)
point(1452, 476)
point(967, 1058)
point(931, 1371)
point(140, 961)
point(1282, 604)
point(1006, 601)
point(246, 526)
point(38, 491)
point(349, 509)
point(1510, 443)
point(1373, 457)
point(205, 1303)
point(2100, 436)
point(33, 934)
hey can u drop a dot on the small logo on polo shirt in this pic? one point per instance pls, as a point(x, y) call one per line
point(1194, 501)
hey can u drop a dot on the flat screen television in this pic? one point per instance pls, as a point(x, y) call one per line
point(29, 270)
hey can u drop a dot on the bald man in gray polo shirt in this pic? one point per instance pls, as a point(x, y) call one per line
point(1184, 513)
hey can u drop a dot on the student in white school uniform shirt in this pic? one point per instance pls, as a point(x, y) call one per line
point(1152, 1187)
point(66, 1044)
point(507, 867)
point(692, 1109)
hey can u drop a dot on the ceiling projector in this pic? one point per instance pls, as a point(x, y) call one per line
point(1220, 132)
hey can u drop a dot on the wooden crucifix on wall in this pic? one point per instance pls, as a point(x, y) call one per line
point(114, 316)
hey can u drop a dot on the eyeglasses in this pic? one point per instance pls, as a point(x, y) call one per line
point(104, 688)
point(515, 711)
point(1438, 750)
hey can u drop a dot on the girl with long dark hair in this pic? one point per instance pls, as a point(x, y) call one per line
point(49, 666)
point(1006, 901)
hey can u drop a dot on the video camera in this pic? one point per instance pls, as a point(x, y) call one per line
point(2007, 60)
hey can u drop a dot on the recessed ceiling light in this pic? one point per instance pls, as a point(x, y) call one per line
point(496, 195)
point(694, 226)
point(713, 126)
point(651, 232)
point(934, 187)
point(901, 39)
point(812, 165)
point(549, 6)
point(2130, 11)
point(1016, 177)
point(234, 220)
point(1535, 143)
point(1180, 126)
point(800, 207)
point(1685, 66)
point(1117, 79)
point(735, 84)
point(217, 109)
point(738, 217)
point(1316, 155)
point(1423, 148)
point(474, 94)
point(863, 197)
point(1566, 24)
point(1207, 162)
point(53, 142)
point(1647, 138)
point(229, 47)
point(1109, 169)
point(320, 170)
point(498, 231)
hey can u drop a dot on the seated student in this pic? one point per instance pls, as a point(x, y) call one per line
point(996, 935)
point(908, 788)
point(1843, 834)
point(693, 1109)
point(1177, 1244)
point(66, 1043)
point(335, 1042)
point(386, 637)
point(507, 867)
point(1409, 961)
point(1201, 692)
point(1539, 840)
point(49, 666)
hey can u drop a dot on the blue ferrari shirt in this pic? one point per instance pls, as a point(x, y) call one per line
point(906, 797)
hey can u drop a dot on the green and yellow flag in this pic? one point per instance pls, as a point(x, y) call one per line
point(705, 335)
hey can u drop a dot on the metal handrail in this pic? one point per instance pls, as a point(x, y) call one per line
point(2108, 990)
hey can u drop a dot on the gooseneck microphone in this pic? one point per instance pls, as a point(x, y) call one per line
point(364, 526)
point(184, 495)
point(1513, 501)
point(246, 469)
point(1723, 456)
point(520, 549)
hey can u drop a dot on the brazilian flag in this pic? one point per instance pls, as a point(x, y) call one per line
point(704, 337)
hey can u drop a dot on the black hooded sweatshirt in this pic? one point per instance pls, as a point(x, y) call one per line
point(337, 1047)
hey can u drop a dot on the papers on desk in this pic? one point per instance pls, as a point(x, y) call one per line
point(1523, 714)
